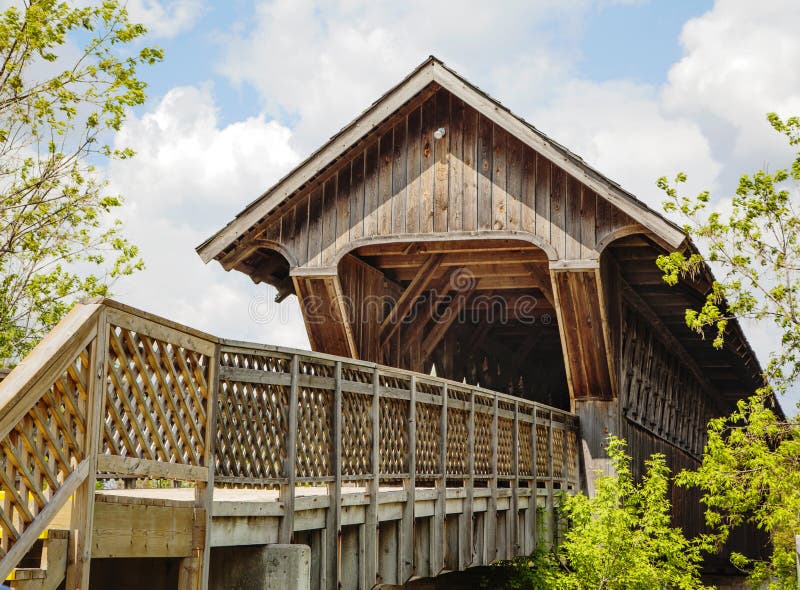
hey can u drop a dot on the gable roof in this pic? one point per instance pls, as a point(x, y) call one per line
point(433, 71)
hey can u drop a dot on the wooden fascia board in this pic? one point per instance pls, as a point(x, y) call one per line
point(515, 126)
point(318, 161)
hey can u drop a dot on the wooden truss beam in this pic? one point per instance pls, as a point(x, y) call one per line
point(444, 322)
point(421, 280)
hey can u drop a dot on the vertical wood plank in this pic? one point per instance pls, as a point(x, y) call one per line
point(314, 255)
point(484, 161)
point(499, 194)
point(573, 213)
point(357, 212)
point(470, 170)
point(370, 191)
point(371, 530)
point(413, 169)
point(588, 221)
point(543, 176)
point(441, 148)
point(334, 514)
point(385, 153)
point(428, 170)
point(82, 516)
point(514, 183)
point(329, 220)
point(287, 490)
point(399, 179)
point(342, 209)
point(528, 198)
point(557, 211)
point(455, 159)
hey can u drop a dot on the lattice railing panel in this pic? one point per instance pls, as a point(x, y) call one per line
point(558, 453)
point(393, 435)
point(428, 439)
point(572, 456)
point(42, 450)
point(457, 441)
point(356, 434)
point(251, 431)
point(542, 452)
point(156, 399)
point(505, 446)
point(525, 449)
point(483, 443)
point(314, 429)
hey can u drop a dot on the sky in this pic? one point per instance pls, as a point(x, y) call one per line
point(248, 88)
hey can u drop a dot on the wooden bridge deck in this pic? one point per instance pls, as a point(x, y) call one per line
point(386, 474)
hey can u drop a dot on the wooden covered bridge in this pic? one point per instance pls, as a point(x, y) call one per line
point(484, 310)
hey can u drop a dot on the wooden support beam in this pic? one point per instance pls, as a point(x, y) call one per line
point(543, 282)
point(443, 323)
point(82, 515)
point(421, 280)
point(585, 338)
point(326, 315)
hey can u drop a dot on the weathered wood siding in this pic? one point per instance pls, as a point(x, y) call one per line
point(477, 177)
point(363, 290)
point(657, 392)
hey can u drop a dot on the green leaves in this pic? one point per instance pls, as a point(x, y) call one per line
point(754, 244)
point(751, 474)
point(751, 466)
point(620, 539)
point(57, 241)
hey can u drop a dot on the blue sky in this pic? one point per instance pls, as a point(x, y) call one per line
point(638, 88)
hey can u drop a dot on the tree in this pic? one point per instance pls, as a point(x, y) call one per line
point(750, 471)
point(620, 539)
point(68, 76)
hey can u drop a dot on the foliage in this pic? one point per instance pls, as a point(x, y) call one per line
point(755, 245)
point(751, 474)
point(68, 75)
point(622, 538)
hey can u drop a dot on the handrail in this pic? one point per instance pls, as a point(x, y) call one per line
point(114, 391)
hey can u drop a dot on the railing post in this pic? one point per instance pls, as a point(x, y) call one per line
point(549, 501)
point(468, 554)
point(407, 523)
point(287, 491)
point(533, 503)
point(514, 524)
point(334, 515)
point(194, 570)
point(490, 521)
point(371, 536)
point(82, 517)
point(440, 510)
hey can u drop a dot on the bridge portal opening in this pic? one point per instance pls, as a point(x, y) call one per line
point(480, 310)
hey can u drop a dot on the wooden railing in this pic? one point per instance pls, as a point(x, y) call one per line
point(114, 391)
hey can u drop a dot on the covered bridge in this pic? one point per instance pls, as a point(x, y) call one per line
point(436, 233)
point(439, 229)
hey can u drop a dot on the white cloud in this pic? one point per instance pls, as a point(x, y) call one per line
point(740, 62)
point(165, 18)
point(188, 177)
